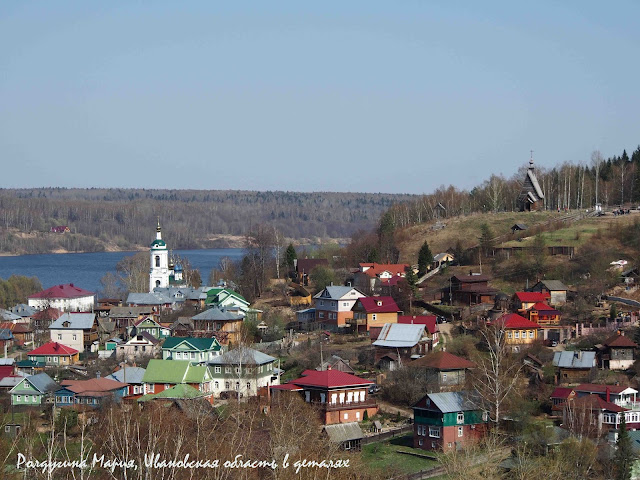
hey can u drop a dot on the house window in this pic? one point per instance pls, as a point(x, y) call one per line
point(346, 416)
point(460, 431)
point(216, 385)
point(75, 337)
point(18, 398)
point(530, 333)
point(321, 315)
point(218, 369)
point(357, 415)
point(7, 428)
point(237, 385)
point(374, 317)
point(516, 334)
point(434, 432)
point(508, 334)
point(460, 418)
point(433, 444)
point(193, 354)
point(345, 304)
point(34, 398)
point(227, 385)
point(420, 442)
point(444, 377)
point(321, 303)
point(157, 260)
point(237, 369)
point(227, 369)
point(248, 385)
point(59, 336)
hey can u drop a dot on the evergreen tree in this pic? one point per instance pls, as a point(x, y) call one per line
point(624, 456)
point(486, 239)
point(412, 281)
point(290, 255)
point(373, 256)
point(424, 259)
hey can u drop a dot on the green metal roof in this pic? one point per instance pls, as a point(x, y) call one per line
point(174, 371)
point(158, 244)
point(201, 344)
point(179, 391)
point(223, 293)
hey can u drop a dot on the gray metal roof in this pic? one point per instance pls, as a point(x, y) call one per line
point(217, 313)
point(149, 299)
point(574, 359)
point(23, 310)
point(449, 402)
point(179, 294)
point(242, 355)
point(8, 316)
point(554, 285)
point(130, 374)
point(12, 380)
point(128, 312)
point(43, 383)
point(337, 292)
point(77, 321)
point(399, 335)
point(343, 432)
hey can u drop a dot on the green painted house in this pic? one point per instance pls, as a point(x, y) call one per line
point(226, 298)
point(150, 326)
point(196, 350)
point(32, 391)
point(444, 421)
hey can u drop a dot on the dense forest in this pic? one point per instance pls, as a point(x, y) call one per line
point(124, 218)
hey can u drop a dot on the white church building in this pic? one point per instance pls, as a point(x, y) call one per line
point(162, 273)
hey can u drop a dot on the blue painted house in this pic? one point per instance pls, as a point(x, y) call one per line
point(93, 392)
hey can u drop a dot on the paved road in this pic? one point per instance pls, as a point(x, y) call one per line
point(626, 301)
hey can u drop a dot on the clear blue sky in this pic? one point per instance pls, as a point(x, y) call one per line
point(332, 96)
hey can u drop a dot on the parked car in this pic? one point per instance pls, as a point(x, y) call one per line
point(374, 388)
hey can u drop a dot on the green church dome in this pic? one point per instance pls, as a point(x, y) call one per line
point(158, 243)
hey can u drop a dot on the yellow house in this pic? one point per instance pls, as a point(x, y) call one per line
point(519, 330)
point(373, 312)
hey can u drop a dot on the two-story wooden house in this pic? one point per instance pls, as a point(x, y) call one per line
point(523, 301)
point(224, 324)
point(519, 331)
point(469, 290)
point(556, 290)
point(399, 343)
point(138, 347)
point(445, 421)
point(242, 372)
point(339, 397)
point(333, 306)
point(373, 312)
point(574, 366)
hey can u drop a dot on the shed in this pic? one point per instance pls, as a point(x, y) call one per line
point(347, 435)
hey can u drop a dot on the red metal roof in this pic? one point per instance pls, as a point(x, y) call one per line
point(286, 386)
point(328, 379)
point(6, 371)
point(67, 290)
point(561, 392)
point(598, 388)
point(543, 307)
point(92, 387)
point(427, 320)
point(53, 348)
point(513, 320)
point(375, 269)
point(532, 297)
point(379, 304)
point(620, 341)
point(442, 361)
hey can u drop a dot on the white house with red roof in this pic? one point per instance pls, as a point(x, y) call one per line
point(66, 297)
point(372, 276)
point(339, 396)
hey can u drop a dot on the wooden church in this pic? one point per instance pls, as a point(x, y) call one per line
point(531, 197)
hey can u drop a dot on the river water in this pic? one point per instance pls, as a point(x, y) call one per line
point(86, 269)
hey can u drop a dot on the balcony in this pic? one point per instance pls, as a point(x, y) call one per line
point(356, 321)
point(331, 407)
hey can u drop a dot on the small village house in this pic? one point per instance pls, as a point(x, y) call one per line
point(430, 323)
point(139, 346)
point(574, 366)
point(54, 354)
point(445, 421)
point(304, 266)
point(555, 288)
point(398, 344)
point(132, 377)
point(163, 374)
point(33, 391)
point(523, 301)
point(447, 372)
point(372, 277)
point(150, 326)
point(224, 324)
point(90, 393)
point(469, 290)
point(617, 352)
point(519, 330)
point(196, 350)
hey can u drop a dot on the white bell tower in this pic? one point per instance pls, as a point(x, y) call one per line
point(159, 271)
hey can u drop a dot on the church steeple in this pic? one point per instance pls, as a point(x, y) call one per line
point(159, 271)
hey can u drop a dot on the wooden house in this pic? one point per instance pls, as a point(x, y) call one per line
point(618, 352)
point(555, 288)
point(574, 366)
point(469, 290)
point(443, 370)
point(373, 312)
